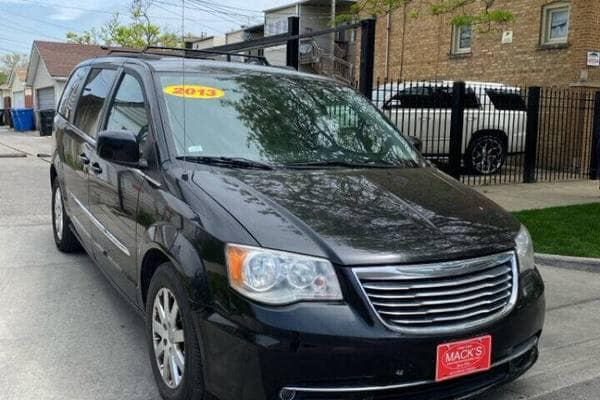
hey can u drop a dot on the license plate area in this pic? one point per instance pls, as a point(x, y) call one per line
point(463, 358)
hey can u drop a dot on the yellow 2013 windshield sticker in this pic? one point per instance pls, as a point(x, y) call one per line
point(194, 91)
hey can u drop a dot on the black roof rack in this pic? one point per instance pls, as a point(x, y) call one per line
point(184, 52)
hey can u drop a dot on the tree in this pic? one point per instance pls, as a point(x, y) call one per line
point(139, 33)
point(87, 37)
point(482, 13)
point(8, 62)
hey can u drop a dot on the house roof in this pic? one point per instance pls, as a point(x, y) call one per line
point(61, 58)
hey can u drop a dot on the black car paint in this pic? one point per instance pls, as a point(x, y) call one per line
point(187, 212)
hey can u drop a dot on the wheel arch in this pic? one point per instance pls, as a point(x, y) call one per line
point(184, 258)
point(53, 173)
point(483, 132)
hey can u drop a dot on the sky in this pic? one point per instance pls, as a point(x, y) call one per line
point(22, 21)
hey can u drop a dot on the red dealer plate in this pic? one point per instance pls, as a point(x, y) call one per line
point(463, 358)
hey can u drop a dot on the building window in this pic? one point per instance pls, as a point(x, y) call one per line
point(461, 39)
point(556, 24)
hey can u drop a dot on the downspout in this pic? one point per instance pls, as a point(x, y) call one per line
point(401, 77)
point(387, 44)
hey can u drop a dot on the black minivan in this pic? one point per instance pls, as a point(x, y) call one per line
point(282, 238)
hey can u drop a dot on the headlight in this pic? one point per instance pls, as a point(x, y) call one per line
point(276, 277)
point(525, 250)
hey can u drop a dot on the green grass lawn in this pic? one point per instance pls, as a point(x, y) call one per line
point(568, 231)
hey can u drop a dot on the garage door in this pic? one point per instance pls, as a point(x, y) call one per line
point(45, 99)
point(18, 100)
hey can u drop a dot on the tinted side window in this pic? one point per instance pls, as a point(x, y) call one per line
point(92, 99)
point(71, 91)
point(507, 101)
point(127, 111)
point(413, 97)
point(471, 100)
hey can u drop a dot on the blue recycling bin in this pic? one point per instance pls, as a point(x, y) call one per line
point(23, 119)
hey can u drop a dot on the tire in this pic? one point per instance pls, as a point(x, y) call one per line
point(65, 239)
point(486, 154)
point(166, 282)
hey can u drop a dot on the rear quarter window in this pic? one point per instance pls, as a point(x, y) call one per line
point(506, 101)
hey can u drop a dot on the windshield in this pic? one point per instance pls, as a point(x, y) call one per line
point(277, 119)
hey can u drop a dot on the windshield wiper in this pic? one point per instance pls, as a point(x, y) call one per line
point(343, 163)
point(234, 162)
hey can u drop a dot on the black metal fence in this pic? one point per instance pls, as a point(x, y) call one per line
point(480, 133)
point(487, 133)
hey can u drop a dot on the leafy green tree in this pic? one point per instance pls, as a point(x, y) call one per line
point(87, 37)
point(482, 13)
point(3, 77)
point(139, 33)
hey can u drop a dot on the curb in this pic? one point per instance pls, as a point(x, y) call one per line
point(568, 262)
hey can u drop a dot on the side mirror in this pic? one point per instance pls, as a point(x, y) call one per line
point(120, 147)
point(416, 142)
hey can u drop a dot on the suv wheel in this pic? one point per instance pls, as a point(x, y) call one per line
point(172, 340)
point(486, 154)
point(65, 239)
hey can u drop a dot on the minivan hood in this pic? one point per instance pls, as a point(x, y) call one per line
point(362, 216)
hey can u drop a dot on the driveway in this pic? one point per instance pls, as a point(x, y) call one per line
point(66, 334)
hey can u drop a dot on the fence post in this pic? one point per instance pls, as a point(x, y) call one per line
point(531, 138)
point(367, 57)
point(292, 46)
point(595, 150)
point(457, 123)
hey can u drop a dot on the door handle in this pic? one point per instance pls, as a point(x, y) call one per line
point(96, 168)
point(84, 159)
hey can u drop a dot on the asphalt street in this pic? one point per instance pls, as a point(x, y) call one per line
point(66, 334)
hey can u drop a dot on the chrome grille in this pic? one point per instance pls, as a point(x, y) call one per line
point(442, 297)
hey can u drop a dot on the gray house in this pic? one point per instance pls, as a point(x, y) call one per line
point(50, 64)
point(330, 54)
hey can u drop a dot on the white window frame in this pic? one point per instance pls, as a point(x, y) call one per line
point(456, 32)
point(547, 12)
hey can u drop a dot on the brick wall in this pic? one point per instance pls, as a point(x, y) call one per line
point(427, 48)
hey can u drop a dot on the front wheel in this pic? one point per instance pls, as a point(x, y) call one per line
point(65, 239)
point(486, 154)
point(172, 340)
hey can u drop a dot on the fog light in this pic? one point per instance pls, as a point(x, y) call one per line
point(286, 394)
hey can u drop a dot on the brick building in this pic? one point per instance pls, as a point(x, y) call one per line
point(547, 45)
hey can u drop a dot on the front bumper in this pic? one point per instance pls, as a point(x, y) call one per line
point(339, 351)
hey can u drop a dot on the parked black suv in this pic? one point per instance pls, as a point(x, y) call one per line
point(283, 239)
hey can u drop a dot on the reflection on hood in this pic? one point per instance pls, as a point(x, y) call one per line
point(364, 216)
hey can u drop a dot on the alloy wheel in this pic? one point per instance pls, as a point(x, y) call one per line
point(168, 338)
point(487, 155)
point(58, 213)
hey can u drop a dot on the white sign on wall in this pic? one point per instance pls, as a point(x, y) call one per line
point(593, 59)
point(507, 37)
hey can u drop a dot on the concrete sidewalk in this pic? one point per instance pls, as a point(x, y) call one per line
point(542, 195)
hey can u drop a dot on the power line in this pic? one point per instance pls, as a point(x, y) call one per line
point(31, 31)
point(186, 19)
point(38, 20)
